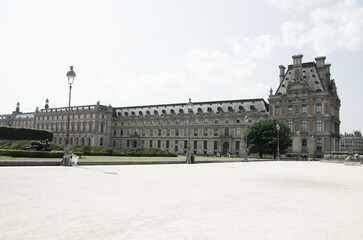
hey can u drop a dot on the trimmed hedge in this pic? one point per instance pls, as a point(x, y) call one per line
point(31, 154)
point(89, 150)
point(140, 152)
point(16, 133)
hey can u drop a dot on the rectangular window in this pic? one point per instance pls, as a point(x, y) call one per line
point(303, 112)
point(128, 143)
point(319, 147)
point(205, 132)
point(206, 121)
point(177, 132)
point(176, 146)
point(215, 145)
point(216, 131)
point(168, 132)
point(289, 110)
point(238, 132)
point(195, 132)
point(159, 143)
point(143, 132)
point(151, 143)
point(237, 145)
point(177, 122)
point(318, 108)
point(151, 132)
point(290, 126)
point(226, 131)
point(318, 125)
point(277, 111)
point(195, 144)
point(128, 132)
point(159, 132)
point(114, 132)
point(168, 122)
point(167, 144)
point(216, 121)
point(186, 121)
point(205, 145)
point(196, 121)
point(185, 144)
point(304, 126)
point(186, 131)
point(238, 120)
point(227, 120)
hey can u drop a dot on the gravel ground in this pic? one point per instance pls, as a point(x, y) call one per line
point(261, 200)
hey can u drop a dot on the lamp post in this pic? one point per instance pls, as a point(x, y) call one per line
point(70, 75)
point(246, 146)
point(278, 142)
point(190, 108)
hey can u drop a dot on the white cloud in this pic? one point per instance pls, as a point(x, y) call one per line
point(258, 47)
point(204, 75)
point(293, 34)
point(293, 5)
point(333, 28)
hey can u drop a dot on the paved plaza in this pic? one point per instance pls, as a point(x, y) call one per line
point(255, 200)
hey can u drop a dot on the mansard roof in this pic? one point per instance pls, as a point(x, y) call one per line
point(233, 106)
point(305, 77)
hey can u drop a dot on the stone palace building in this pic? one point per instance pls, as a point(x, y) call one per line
point(306, 99)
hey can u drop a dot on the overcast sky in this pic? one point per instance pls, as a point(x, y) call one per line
point(141, 52)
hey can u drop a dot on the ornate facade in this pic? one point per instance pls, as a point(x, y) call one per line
point(351, 142)
point(306, 100)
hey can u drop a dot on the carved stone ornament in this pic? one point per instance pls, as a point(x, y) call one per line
point(297, 75)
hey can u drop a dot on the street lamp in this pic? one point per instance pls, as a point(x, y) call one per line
point(246, 146)
point(190, 109)
point(278, 142)
point(70, 75)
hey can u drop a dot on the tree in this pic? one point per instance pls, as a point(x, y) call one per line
point(262, 137)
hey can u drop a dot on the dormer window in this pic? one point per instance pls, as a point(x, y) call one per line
point(316, 82)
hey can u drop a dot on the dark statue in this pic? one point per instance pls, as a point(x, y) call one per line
point(40, 146)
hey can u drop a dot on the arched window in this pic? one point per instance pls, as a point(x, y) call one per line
point(230, 109)
point(252, 108)
point(156, 113)
point(148, 113)
point(140, 113)
point(200, 110)
point(164, 112)
point(241, 109)
point(220, 109)
point(181, 111)
point(210, 110)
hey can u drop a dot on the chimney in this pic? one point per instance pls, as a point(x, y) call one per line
point(297, 60)
point(282, 73)
point(320, 62)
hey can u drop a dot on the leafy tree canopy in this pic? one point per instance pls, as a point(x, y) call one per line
point(262, 137)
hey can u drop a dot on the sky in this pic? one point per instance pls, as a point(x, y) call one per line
point(142, 52)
